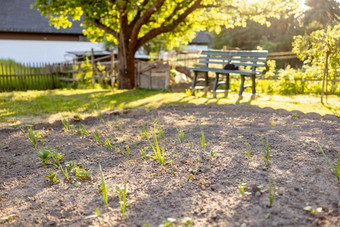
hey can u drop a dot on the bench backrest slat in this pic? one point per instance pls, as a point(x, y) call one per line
point(253, 59)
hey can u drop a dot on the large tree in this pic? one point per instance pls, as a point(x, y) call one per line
point(133, 23)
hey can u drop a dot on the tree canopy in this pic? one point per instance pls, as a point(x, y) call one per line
point(133, 23)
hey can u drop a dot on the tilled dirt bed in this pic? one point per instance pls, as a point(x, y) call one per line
point(198, 187)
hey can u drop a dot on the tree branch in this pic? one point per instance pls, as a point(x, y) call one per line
point(168, 28)
point(98, 24)
point(144, 19)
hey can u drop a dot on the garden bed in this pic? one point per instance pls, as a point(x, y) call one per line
point(200, 186)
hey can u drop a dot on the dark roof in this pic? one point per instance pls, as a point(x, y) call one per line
point(17, 16)
point(202, 37)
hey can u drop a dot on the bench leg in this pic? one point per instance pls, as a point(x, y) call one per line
point(206, 84)
point(193, 84)
point(253, 87)
point(227, 84)
point(215, 85)
point(241, 87)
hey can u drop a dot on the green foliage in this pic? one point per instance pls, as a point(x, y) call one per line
point(266, 151)
point(181, 135)
point(242, 187)
point(335, 169)
point(82, 130)
point(52, 177)
point(103, 188)
point(127, 149)
point(321, 49)
point(157, 151)
point(121, 193)
point(108, 144)
point(66, 124)
point(143, 154)
point(160, 130)
point(96, 136)
point(81, 174)
point(44, 154)
point(31, 137)
point(202, 139)
point(271, 192)
point(248, 150)
point(56, 158)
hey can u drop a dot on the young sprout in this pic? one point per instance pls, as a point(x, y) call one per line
point(71, 164)
point(96, 136)
point(202, 139)
point(56, 158)
point(143, 154)
point(82, 130)
point(122, 198)
point(271, 192)
point(190, 144)
point(181, 135)
point(118, 125)
point(31, 137)
point(157, 151)
point(248, 150)
point(81, 174)
point(44, 154)
point(52, 177)
point(160, 130)
point(127, 149)
point(242, 187)
point(108, 144)
point(266, 151)
point(117, 149)
point(66, 124)
point(212, 153)
point(103, 188)
point(335, 169)
point(65, 173)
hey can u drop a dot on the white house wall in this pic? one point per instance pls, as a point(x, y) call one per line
point(42, 51)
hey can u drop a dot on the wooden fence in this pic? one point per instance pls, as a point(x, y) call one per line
point(33, 76)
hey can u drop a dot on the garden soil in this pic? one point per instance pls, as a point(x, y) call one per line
point(196, 186)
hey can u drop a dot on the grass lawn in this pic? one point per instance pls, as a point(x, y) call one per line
point(18, 108)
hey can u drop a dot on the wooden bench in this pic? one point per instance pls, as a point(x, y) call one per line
point(216, 60)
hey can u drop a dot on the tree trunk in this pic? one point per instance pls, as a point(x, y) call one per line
point(126, 65)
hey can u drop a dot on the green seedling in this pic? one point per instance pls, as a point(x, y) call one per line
point(248, 150)
point(65, 173)
point(118, 125)
point(187, 222)
point(266, 151)
point(181, 135)
point(127, 150)
point(335, 169)
point(81, 174)
point(31, 137)
point(242, 187)
point(160, 130)
point(157, 151)
point(117, 149)
point(294, 115)
point(71, 164)
point(66, 124)
point(271, 192)
point(168, 223)
point(44, 154)
point(212, 154)
point(312, 210)
point(190, 144)
point(173, 172)
point(143, 154)
point(108, 144)
point(52, 177)
point(57, 158)
point(103, 188)
point(100, 114)
point(77, 117)
point(122, 198)
point(96, 136)
point(82, 130)
point(202, 139)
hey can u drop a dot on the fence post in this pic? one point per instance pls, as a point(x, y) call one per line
point(113, 78)
point(93, 66)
